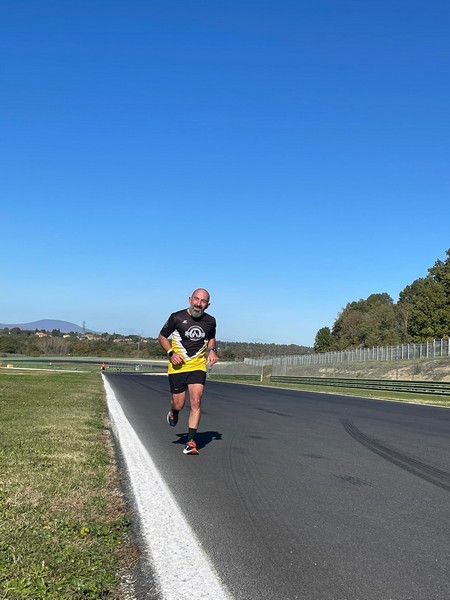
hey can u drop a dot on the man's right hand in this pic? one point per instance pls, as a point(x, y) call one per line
point(176, 359)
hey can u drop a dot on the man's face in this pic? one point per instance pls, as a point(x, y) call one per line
point(199, 302)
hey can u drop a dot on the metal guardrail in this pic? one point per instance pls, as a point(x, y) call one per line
point(422, 387)
point(234, 377)
point(112, 364)
point(136, 366)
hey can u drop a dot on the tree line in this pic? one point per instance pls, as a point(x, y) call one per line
point(421, 314)
point(16, 341)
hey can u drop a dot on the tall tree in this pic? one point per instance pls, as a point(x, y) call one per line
point(425, 304)
point(426, 307)
point(440, 273)
point(367, 323)
point(324, 341)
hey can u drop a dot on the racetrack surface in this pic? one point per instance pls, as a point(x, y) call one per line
point(306, 495)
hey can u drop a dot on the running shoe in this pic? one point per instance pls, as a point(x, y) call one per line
point(172, 418)
point(190, 448)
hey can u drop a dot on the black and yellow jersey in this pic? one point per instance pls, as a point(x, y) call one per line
point(190, 338)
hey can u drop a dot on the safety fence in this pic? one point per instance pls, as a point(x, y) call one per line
point(424, 361)
point(434, 349)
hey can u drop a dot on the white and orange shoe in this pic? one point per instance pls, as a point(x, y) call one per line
point(190, 448)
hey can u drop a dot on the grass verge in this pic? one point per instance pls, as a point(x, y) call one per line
point(63, 525)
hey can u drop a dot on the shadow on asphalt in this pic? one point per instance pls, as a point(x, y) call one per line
point(203, 438)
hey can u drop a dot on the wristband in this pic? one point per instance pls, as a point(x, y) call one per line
point(213, 350)
point(170, 352)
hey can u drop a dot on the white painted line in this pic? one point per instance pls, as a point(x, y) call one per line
point(181, 566)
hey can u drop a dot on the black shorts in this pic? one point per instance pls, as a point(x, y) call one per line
point(180, 381)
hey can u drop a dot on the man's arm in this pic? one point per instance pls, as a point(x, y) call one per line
point(164, 343)
point(175, 359)
point(212, 353)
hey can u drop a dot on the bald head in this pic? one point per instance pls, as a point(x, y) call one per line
point(199, 302)
point(201, 292)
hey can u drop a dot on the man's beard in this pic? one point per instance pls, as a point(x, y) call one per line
point(196, 312)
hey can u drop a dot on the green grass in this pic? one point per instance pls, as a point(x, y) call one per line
point(49, 365)
point(63, 526)
point(74, 364)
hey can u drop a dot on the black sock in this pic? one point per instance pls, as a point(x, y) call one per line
point(175, 412)
point(191, 434)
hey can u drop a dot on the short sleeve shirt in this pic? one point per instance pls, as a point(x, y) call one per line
point(190, 338)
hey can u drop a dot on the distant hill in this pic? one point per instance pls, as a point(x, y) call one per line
point(48, 325)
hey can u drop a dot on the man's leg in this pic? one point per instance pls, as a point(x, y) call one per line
point(178, 401)
point(177, 383)
point(176, 404)
point(195, 396)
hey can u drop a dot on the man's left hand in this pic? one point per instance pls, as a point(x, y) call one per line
point(212, 358)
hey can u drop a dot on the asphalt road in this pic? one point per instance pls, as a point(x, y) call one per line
point(305, 495)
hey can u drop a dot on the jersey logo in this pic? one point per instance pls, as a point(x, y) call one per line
point(195, 333)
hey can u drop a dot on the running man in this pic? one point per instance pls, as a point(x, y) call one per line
point(191, 349)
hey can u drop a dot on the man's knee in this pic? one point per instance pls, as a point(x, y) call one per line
point(195, 402)
point(178, 400)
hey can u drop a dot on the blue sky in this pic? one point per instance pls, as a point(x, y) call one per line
point(290, 157)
